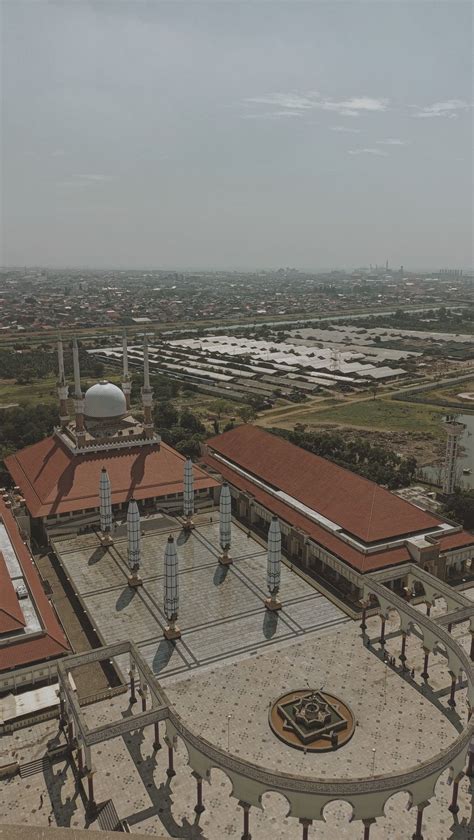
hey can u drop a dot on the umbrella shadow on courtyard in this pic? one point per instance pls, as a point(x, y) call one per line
point(270, 623)
point(220, 575)
point(183, 537)
point(163, 654)
point(125, 598)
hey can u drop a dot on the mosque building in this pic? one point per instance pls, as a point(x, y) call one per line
point(57, 479)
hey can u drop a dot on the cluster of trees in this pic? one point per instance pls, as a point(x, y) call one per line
point(185, 431)
point(444, 319)
point(22, 426)
point(25, 364)
point(460, 507)
point(378, 463)
point(181, 429)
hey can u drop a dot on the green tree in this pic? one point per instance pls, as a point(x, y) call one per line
point(246, 413)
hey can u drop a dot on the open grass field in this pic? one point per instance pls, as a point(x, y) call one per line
point(380, 414)
point(450, 393)
point(40, 391)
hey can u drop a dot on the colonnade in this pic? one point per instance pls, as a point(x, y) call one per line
point(307, 796)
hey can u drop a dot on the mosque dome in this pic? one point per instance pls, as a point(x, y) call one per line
point(104, 401)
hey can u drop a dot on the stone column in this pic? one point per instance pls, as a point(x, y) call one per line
point(454, 807)
point(133, 696)
point(382, 630)
point(70, 733)
point(80, 761)
point(367, 823)
point(449, 628)
point(92, 805)
point(62, 711)
point(419, 821)
point(199, 807)
point(306, 824)
point(472, 647)
point(363, 623)
point(246, 808)
point(170, 772)
point(156, 740)
point(143, 692)
point(402, 656)
point(428, 609)
point(424, 673)
point(470, 765)
point(452, 701)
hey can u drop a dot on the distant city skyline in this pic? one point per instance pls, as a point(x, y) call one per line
point(237, 136)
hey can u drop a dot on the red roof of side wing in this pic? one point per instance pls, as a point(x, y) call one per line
point(361, 507)
point(24, 649)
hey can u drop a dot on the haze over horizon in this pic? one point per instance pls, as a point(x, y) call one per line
point(237, 135)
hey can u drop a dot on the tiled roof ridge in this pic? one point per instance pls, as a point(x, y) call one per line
point(289, 444)
point(371, 498)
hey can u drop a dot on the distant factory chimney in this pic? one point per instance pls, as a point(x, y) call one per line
point(454, 430)
point(63, 389)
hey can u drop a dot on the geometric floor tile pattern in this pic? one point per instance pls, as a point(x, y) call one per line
point(221, 610)
point(233, 661)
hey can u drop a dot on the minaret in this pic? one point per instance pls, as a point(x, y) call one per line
point(78, 397)
point(273, 564)
point(454, 431)
point(188, 494)
point(171, 594)
point(126, 386)
point(147, 393)
point(63, 390)
point(105, 495)
point(225, 513)
point(133, 536)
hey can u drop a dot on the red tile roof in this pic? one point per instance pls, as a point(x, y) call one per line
point(357, 559)
point(54, 480)
point(361, 507)
point(11, 616)
point(51, 642)
point(463, 539)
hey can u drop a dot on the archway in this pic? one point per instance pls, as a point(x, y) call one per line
point(275, 814)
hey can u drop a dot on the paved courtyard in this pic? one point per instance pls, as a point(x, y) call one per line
point(221, 611)
point(399, 723)
point(233, 661)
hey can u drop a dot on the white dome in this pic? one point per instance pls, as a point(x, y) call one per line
point(104, 400)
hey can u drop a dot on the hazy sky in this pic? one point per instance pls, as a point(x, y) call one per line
point(229, 134)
